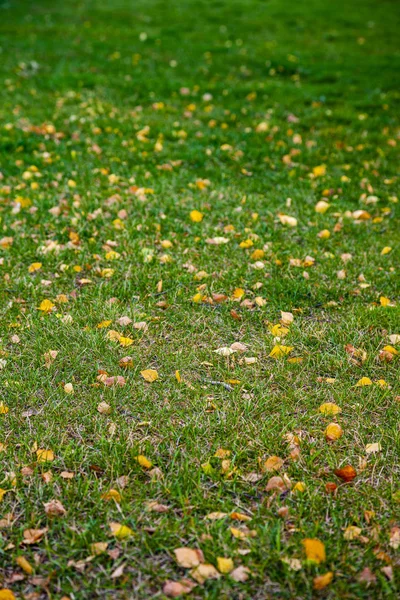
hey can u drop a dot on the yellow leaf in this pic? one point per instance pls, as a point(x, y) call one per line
point(46, 306)
point(125, 341)
point(112, 495)
point(237, 516)
point(391, 350)
point(363, 382)
point(44, 455)
point(321, 581)
point(386, 250)
point(3, 409)
point(34, 267)
point(384, 301)
point(25, 565)
point(120, 531)
point(2, 492)
point(257, 254)
point(300, 486)
point(178, 376)
point(68, 388)
point(278, 330)
point(381, 382)
point(246, 244)
point(6, 594)
point(224, 565)
point(333, 432)
point(196, 216)
point(329, 408)
point(149, 375)
point(197, 298)
point(278, 351)
point(221, 453)
point(103, 324)
point(319, 171)
point(238, 293)
point(144, 462)
point(314, 549)
point(237, 533)
point(324, 234)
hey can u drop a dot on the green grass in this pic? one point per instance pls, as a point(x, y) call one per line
point(79, 82)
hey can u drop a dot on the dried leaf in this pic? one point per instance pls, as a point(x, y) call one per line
point(188, 557)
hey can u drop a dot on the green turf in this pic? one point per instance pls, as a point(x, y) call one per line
point(125, 116)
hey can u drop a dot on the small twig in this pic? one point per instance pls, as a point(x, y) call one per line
point(225, 385)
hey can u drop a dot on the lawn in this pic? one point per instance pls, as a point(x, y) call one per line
point(200, 292)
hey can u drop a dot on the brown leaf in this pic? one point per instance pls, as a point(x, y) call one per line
point(118, 571)
point(347, 473)
point(174, 589)
point(188, 557)
point(54, 508)
point(33, 536)
point(321, 581)
point(204, 572)
point(240, 574)
point(367, 576)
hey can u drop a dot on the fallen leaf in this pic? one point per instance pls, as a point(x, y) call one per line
point(333, 432)
point(46, 306)
point(25, 565)
point(321, 581)
point(329, 409)
point(143, 461)
point(104, 408)
point(367, 576)
point(121, 532)
point(224, 351)
point(287, 220)
point(352, 532)
point(112, 495)
point(273, 463)
point(196, 216)
point(119, 571)
point(33, 536)
point(44, 455)
point(314, 549)
point(98, 548)
point(149, 375)
point(125, 341)
point(174, 589)
point(188, 557)
point(363, 382)
point(6, 594)
point(278, 351)
point(224, 565)
point(347, 473)
point(54, 508)
point(240, 574)
point(373, 448)
point(203, 572)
